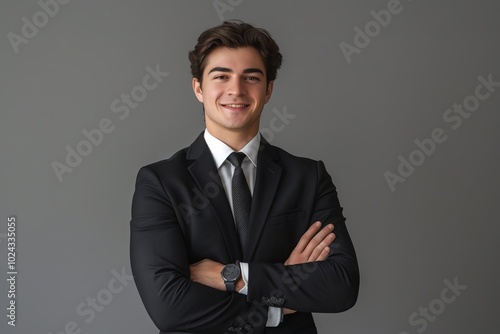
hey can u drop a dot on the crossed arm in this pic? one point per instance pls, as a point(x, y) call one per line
point(314, 245)
point(192, 298)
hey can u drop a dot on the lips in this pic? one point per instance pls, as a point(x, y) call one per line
point(235, 105)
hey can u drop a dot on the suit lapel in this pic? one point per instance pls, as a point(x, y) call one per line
point(266, 183)
point(205, 174)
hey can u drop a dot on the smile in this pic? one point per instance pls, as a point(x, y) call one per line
point(235, 105)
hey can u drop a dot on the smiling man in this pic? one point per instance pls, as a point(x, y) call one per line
point(232, 234)
point(234, 93)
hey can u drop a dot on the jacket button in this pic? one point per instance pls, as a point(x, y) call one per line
point(273, 300)
point(247, 327)
point(265, 300)
point(280, 301)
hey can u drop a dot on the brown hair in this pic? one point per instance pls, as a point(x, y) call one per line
point(236, 34)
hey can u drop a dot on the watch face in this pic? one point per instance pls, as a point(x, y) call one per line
point(231, 272)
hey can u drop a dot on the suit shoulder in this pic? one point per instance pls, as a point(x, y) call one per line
point(298, 164)
point(177, 160)
point(286, 156)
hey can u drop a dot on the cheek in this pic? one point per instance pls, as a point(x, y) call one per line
point(212, 98)
point(212, 94)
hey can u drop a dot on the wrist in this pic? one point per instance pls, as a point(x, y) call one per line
point(240, 284)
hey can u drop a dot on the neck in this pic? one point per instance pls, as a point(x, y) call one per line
point(234, 139)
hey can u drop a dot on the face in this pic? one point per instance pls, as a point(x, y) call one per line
point(233, 91)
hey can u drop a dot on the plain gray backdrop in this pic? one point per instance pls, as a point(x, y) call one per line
point(65, 68)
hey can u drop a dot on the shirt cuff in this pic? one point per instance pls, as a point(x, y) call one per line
point(244, 275)
point(274, 314)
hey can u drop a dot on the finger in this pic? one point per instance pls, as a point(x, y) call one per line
point(307, 236)
point(317, 239)
point(318, 252)
point(324, 254)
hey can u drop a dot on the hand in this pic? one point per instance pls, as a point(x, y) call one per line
point(207, 272)
point(313, 245)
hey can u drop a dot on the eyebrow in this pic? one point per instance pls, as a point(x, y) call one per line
point(228, 70)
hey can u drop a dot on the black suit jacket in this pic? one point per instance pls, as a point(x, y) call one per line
point(181, 215)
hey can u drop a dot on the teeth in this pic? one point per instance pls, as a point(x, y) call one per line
point(235, 105)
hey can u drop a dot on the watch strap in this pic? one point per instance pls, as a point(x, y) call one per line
point(230, 286)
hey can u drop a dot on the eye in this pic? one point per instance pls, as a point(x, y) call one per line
point(253, 78)
point(220, 77)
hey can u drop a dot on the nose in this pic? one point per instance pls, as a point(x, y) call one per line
point(235, 87)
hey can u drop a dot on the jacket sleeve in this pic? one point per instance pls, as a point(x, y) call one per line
point(326, 286)
point(159, 261)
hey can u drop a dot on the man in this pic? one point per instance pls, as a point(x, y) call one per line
point(223, 242)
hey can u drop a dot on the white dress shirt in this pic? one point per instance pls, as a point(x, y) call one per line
point(220, 152)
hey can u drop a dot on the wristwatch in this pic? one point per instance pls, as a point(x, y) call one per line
point(230, 274)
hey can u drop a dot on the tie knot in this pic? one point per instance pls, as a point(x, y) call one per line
point(236, 158)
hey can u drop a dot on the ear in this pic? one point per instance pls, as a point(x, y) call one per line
point(197, 90)
point(269, 90)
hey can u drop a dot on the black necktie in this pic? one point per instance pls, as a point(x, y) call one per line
point(242, 199)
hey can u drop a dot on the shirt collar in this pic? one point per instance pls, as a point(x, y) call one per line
point(220, 150)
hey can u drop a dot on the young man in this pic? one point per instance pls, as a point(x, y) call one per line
point(223, 242)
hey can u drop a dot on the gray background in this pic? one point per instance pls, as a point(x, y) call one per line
point(358, 117)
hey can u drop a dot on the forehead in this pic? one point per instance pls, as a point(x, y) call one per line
point(236, 59)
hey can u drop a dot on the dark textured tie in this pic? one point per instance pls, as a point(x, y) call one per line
point(242, 199)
